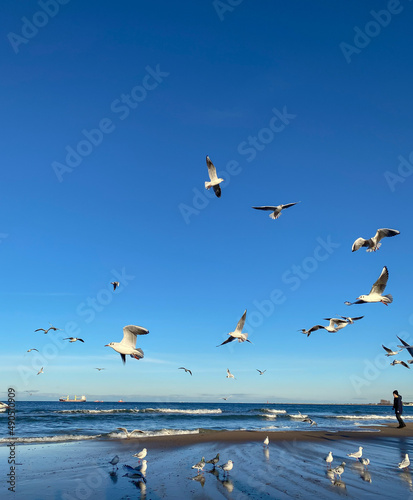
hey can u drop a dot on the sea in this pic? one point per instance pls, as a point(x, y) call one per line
point(49, 421)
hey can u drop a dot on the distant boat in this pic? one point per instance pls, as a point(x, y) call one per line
point(98, 401)
point(120, 401)
point(76, 400)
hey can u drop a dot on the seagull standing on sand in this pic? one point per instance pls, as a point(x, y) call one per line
point(200, 465)
point(142, 454)
point(398, 362)
point(356, 454)
point(114, 461)
point(115, 284)
point(405, 462)
point(73, 339)
point(364, 461)
point(339, 470)
point(276, 210)
point(214, 461)
point(128, 344)
point(237, 334)
point(389, 351)
point(229, 375)
point(227, 466)
point(329, 458)
point(40, 371)
point(266, 441)
point(214, 182)
point(186, 370)
point(375, 294)
point(127, 433)
point(373, 244)
point(140, 469)
point(261, 372)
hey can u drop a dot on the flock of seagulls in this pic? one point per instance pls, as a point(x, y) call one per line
point(358, 455)
point(391, 352)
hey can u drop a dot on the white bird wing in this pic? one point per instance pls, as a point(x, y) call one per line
point(288, 205)
point(212, 172)
point(360, 242)
point(386, 349)
point(241, 322)
point(130, 333)
point(381, 283)
point(382, 233)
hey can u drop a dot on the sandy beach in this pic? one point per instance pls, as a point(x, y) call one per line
point(292, 467)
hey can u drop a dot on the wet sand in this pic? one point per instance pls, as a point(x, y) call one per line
point(292, 467)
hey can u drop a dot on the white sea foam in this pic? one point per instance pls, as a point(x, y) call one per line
point(296, 415)
point(268, 410)
point(146, 434)
point(146, 410)
point(267, 415)
point(50, 439)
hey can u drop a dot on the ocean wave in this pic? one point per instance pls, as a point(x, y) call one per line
point(145, 410)
point(269, 410)
point(297, 415)
point(268, 415)
point(181, 412)
point(50, 439)
point(161, 432)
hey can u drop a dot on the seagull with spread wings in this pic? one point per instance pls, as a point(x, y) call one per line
point(214, 181)
point(389, 351)
point(261, 372)
point(73, 339)
point(398, 362)
point(334, 326)
point(229, 375)
point(127, 433)
point(186, 370)
point(237, 334)
point(373, 244)
point(127, 346)
point(46, 331)
point(276, 210)
point(375, 294)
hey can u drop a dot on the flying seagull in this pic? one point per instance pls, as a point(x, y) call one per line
point(127, 433)
point(40, 371)
point(186, 370)
point(397, 362)
point(128, 344)
point(32, 349)
point(227, 396)
point(406, 346)
point(335, 325)
point(309, 421)
point(50, 328)
point(99, 369)
point(115, 284)
point(261, 372)
point(214, 181)
point(276, 211)
point(352, 320)
point(375, 294)
point(73, 339)
point(373, 244)
point(229, 375)
point(237, 334)
point(389, 351)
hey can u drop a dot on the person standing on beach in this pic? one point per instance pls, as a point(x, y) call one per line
point(398, 408)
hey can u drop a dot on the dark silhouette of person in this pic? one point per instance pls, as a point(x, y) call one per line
point(398, 408)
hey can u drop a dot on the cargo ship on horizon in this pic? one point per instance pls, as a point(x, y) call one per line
point(76, 400)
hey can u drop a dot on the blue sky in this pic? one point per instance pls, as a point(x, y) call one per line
point(143, 92)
